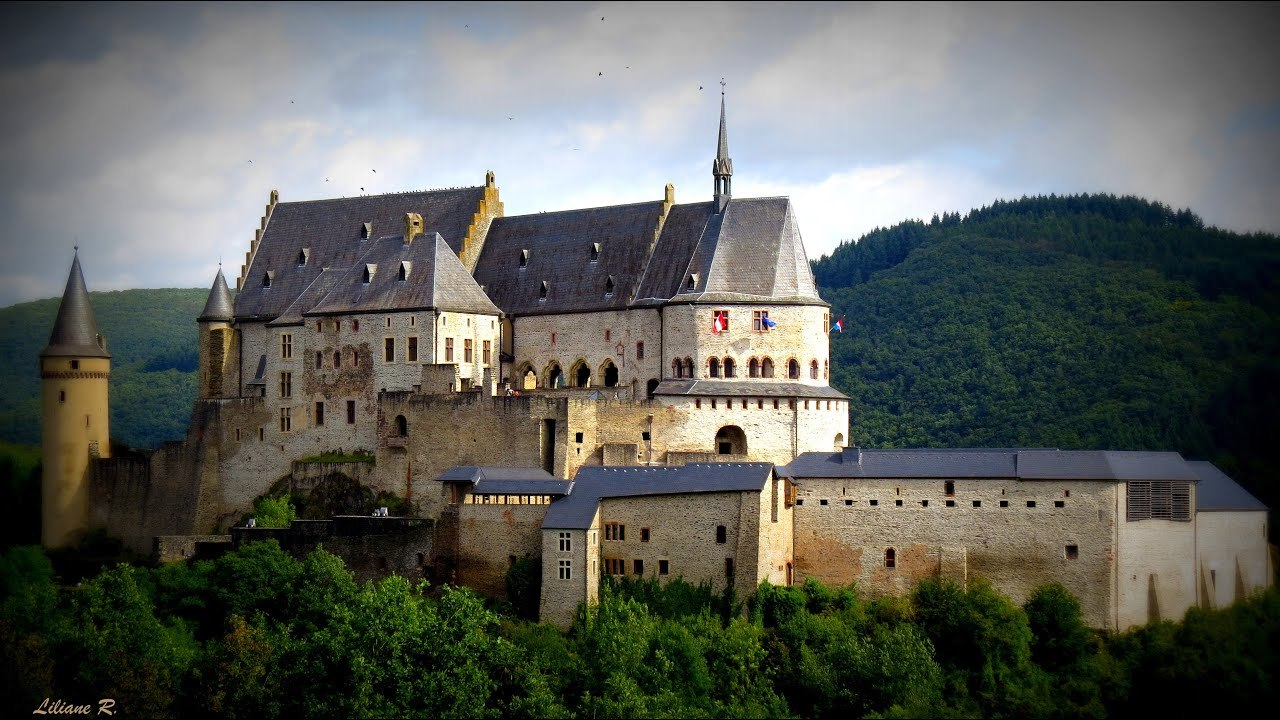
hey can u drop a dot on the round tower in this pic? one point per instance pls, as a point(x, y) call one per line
point(74, 369)
point(217, 343)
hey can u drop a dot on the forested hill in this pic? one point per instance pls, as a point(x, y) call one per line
point(1082, 322)
point(151, 335)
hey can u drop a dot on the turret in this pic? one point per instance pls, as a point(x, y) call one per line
point(74, 369)
point(722, 166)
point(218, 351)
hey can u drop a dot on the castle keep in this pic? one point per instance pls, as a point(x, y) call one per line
point(637, 389)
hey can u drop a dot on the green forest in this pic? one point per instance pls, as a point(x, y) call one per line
point(259, 633)
point(1076, 322)
point(151, 335)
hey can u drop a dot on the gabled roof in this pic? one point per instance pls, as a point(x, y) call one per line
point(1218, 493)
point(331, 232)
point(1022, 464)
point(435, 279)
point(560, 246)
point(219, 304)
point(592, 483)
point(507, 480)
point(75, 331)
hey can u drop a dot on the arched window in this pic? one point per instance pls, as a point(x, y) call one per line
point(530, 379)
point(580, 374)
point(713, 367)
point(555, 378)
point(609, 372)
point(793, 369)
point(302, 256)
point(766, 368)
point(402, 426)
point(730, 440)
point(524, 258)
point(688, 367)
point(677, 368)
point(337, 360)
point(839, 441)
point(813, 370)
point(730, 368)
point(753, 368)
point(890, 558)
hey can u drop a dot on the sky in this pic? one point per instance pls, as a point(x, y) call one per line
point(151, 135)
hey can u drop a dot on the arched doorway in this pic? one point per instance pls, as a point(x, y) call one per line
point(730, 440)
point(610, 373)
point(653, 385)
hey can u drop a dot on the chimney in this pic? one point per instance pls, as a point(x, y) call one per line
point(851, 455)
point(412, 227)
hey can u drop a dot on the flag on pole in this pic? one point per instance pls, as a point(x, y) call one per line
point(767, 322)
point(839, 326)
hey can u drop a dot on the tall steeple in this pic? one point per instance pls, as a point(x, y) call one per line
point(722, 166)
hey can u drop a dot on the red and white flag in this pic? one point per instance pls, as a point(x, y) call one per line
point(718, 325)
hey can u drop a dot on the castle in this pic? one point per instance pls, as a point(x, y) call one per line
point(533, 385)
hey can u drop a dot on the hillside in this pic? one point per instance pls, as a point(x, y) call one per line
point(1081, 322)
point(151, 335)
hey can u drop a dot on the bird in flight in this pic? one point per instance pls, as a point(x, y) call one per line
point(511, 117)
point(326, 179)
point(361, 189)
point(375, 171)
point(699, 87)
point(290, 102)
point(599, 74)
point(249, 161)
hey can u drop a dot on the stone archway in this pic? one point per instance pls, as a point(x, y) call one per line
point(653, 385)
point(555, 376)
point(609, 372)
point(839, 441)
point(731, 440)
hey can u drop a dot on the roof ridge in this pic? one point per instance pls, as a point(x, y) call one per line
point(569, 210)
point(382, 195)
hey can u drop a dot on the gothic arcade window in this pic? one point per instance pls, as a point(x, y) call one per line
point(766, 368)
point(753, 368)
point(713, 367)
point(793, 369)
point(813, 370)
point(688, 367)
point(730, 368)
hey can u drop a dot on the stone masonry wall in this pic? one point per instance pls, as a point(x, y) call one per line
point(1016, 548)
point(593, 338)
point(799, 335)
point(1155, 565)
point(562, 596)
point(489, 535)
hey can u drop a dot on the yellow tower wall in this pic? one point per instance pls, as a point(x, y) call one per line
point(75, 414)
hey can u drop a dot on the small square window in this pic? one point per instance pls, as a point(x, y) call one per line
point(1073, 552)
point(577, 437)
point(924, 503)
point(1004, 503)
point(638, 566)
point(799, 501)
point(873, 503)
point(898, 503)
point(848, 502)
point(1031, 503)
point(644, 534)
point(823, 501)
point(664, 567)
point(1059, 504)
point(951, 503)
point(977, 503)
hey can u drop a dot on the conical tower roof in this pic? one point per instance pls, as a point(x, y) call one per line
point(218, 306)
point(75, 332)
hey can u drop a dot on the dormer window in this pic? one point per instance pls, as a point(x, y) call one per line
point(303, 255)
point(608, 287)
point(366, 230)
point(692, 283)
point(405, 268)
point(595, 252)
point(268, 277)
point(542, 291)
point(369, 271)
point(524, 258)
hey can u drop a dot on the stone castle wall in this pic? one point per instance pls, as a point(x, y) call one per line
point(799, 335)
point(595, 339)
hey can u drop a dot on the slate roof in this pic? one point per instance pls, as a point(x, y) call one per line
point(219, 304)
point(75, 331)
point(1218, 493)
point(560, 246)
point(507, 480)
point(750, 253)
point(592, 483)
point(746, 388)
point(1022, 464)
point(435, 278)
point(331, 231)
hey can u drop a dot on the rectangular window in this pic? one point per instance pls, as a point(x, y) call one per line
point(873, 503)
point(638, 566)
point(615, 531)
point(319, 359)
point(721, 534)
point(1073, 552)
point(286, 419)
point(826, 322)
point(286, 346)
point(1059, 503)
point(728, 570)
point(319, 413)
point(487, 349)
point(237, 434)
point(286, 385)
point(977, 503)
point(448, 349)
point(388, 322)
point(262, 432)
point(664, 567)
point(644, 534)
point(566, 569)
point(1158, 500)
point(351, 412)
point(758, 318)
point(566, 542)
point(413, 349)
point(639, 351)
point(389, 350)
point(1031, 503)
point(466, 350)
point(1004, 503)
point(413, 321)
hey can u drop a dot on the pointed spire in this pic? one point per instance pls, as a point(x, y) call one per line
point(218, 306)
point(722, 166)
point(75, 332)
